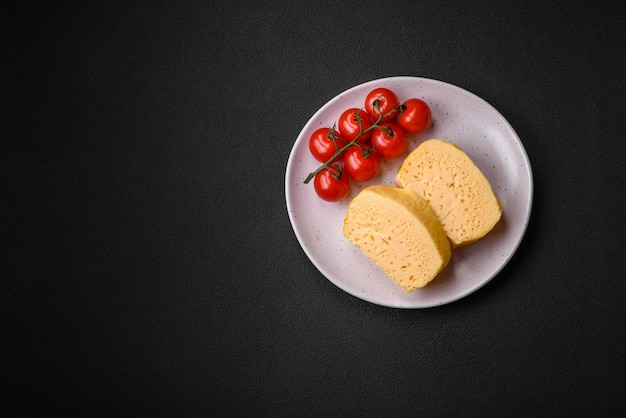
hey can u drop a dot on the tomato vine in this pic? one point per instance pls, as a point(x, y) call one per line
point(362, 132)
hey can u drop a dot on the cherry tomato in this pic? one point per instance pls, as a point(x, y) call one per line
point(415, 116)
point(352, 122)
point(389, 140)
point(332, 184)
point(387, 101)
point(361, 163)
point(324, 143)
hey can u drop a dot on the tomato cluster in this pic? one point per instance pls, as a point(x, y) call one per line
point(352, 148)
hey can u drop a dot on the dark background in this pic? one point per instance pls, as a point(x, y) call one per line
point(148, 266)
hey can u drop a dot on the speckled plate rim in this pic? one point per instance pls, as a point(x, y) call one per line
point(459, 116)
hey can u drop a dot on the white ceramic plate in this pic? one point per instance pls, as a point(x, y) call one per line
point(459, 117)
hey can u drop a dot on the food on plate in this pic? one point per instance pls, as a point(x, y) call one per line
point(332, 184)
point(442, 200)
point(400, 232)
point(459, 193)
point(361, 136)
point(415, 116)
point(324, 144)
point(389, 141)
point(355, 122)
point(361, 162)
point(382, 103)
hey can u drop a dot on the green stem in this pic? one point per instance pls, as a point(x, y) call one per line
point(349, 144)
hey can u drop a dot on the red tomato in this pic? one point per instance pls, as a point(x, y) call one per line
point(387, 101)
point(352, 122)
point(331, 184)
point(389, 140)
point(415, 116)
point(324, 143)
point(361, 163)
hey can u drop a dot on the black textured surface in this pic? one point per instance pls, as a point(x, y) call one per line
point(148, 266)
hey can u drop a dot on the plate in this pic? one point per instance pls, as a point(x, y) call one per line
point(459, 117)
